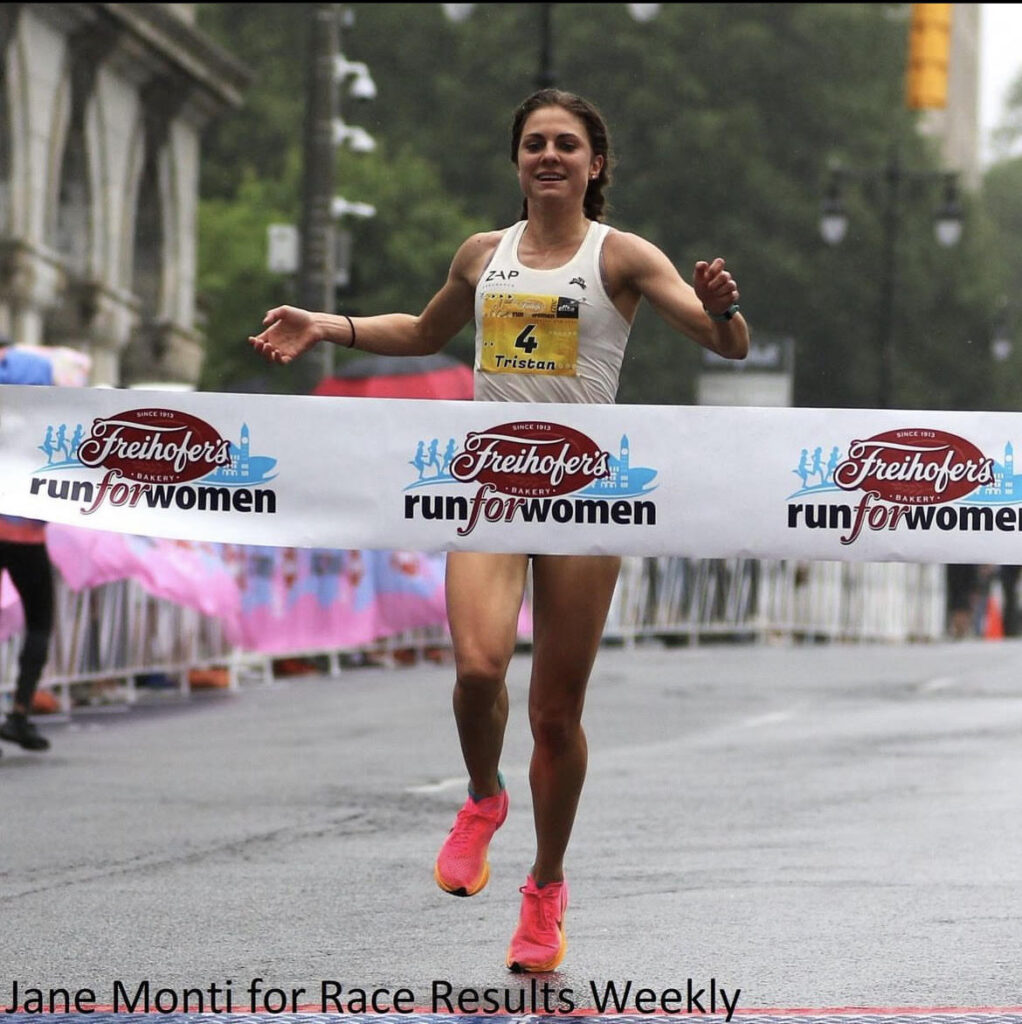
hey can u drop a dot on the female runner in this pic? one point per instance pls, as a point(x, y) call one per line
point(559, 248)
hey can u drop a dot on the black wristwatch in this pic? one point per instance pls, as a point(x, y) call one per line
point(728, 314)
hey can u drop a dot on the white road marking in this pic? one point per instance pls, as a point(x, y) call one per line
point(940, 683)
point(770, 718)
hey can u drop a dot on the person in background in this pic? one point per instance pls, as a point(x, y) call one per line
point(1009, 586)
point(23, 554)
point(963, 594)
point(553, 297)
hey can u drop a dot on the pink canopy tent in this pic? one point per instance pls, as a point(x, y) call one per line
point(436, 376)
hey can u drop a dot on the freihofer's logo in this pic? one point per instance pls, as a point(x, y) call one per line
point(906, 469)
point(919, 467)
point(155, 446)
point(530, 459)
point(535, 472)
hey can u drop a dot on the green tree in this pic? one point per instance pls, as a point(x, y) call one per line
point(235, 285)
point(259, 140)
point(401, 256)
point(1002, 203)
point(724, 118)
point(1000, 219)
point(252, 179)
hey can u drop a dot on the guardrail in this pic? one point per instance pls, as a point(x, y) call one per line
point(695, 600)
point(120, 635)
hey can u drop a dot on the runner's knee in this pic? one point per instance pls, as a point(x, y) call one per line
point(555, 726)
point(480, 676)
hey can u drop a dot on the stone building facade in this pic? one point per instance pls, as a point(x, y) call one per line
point(101, 111)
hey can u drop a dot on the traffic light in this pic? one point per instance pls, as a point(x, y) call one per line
point(929, 48)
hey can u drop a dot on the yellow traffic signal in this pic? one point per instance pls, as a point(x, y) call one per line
point(929, 48)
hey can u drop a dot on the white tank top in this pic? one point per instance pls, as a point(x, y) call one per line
point(547, 335)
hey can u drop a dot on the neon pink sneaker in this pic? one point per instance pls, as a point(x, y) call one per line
point(538, 943)
point(461, 866)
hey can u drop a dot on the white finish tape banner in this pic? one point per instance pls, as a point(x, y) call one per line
point(349, 473)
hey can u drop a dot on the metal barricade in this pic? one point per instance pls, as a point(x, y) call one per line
point(692, 600)
point(120, 635)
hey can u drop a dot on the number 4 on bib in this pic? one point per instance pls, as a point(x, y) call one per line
point(527, 339)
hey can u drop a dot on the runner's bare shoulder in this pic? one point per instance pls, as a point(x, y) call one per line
point(475, 254)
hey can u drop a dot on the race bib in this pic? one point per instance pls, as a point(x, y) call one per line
point(530, 334)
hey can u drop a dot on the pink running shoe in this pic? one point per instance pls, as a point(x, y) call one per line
point(538, 943)
point(461, 866)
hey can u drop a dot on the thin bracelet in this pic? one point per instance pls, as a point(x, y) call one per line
point(351, 344)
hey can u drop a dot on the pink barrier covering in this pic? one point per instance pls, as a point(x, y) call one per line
point(187, 573)
point(269, 600)
point(11, 619)
point(300, 599)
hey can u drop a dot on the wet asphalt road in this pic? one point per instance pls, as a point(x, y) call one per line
point(820, 826)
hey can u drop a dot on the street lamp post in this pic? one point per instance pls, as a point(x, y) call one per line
point(891, 223)
point(324, 131)
point(315, 277)
point(834, 225)
point(546, 76)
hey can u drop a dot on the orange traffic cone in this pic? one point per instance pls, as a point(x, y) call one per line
point(993, 629)
point(45, 702)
